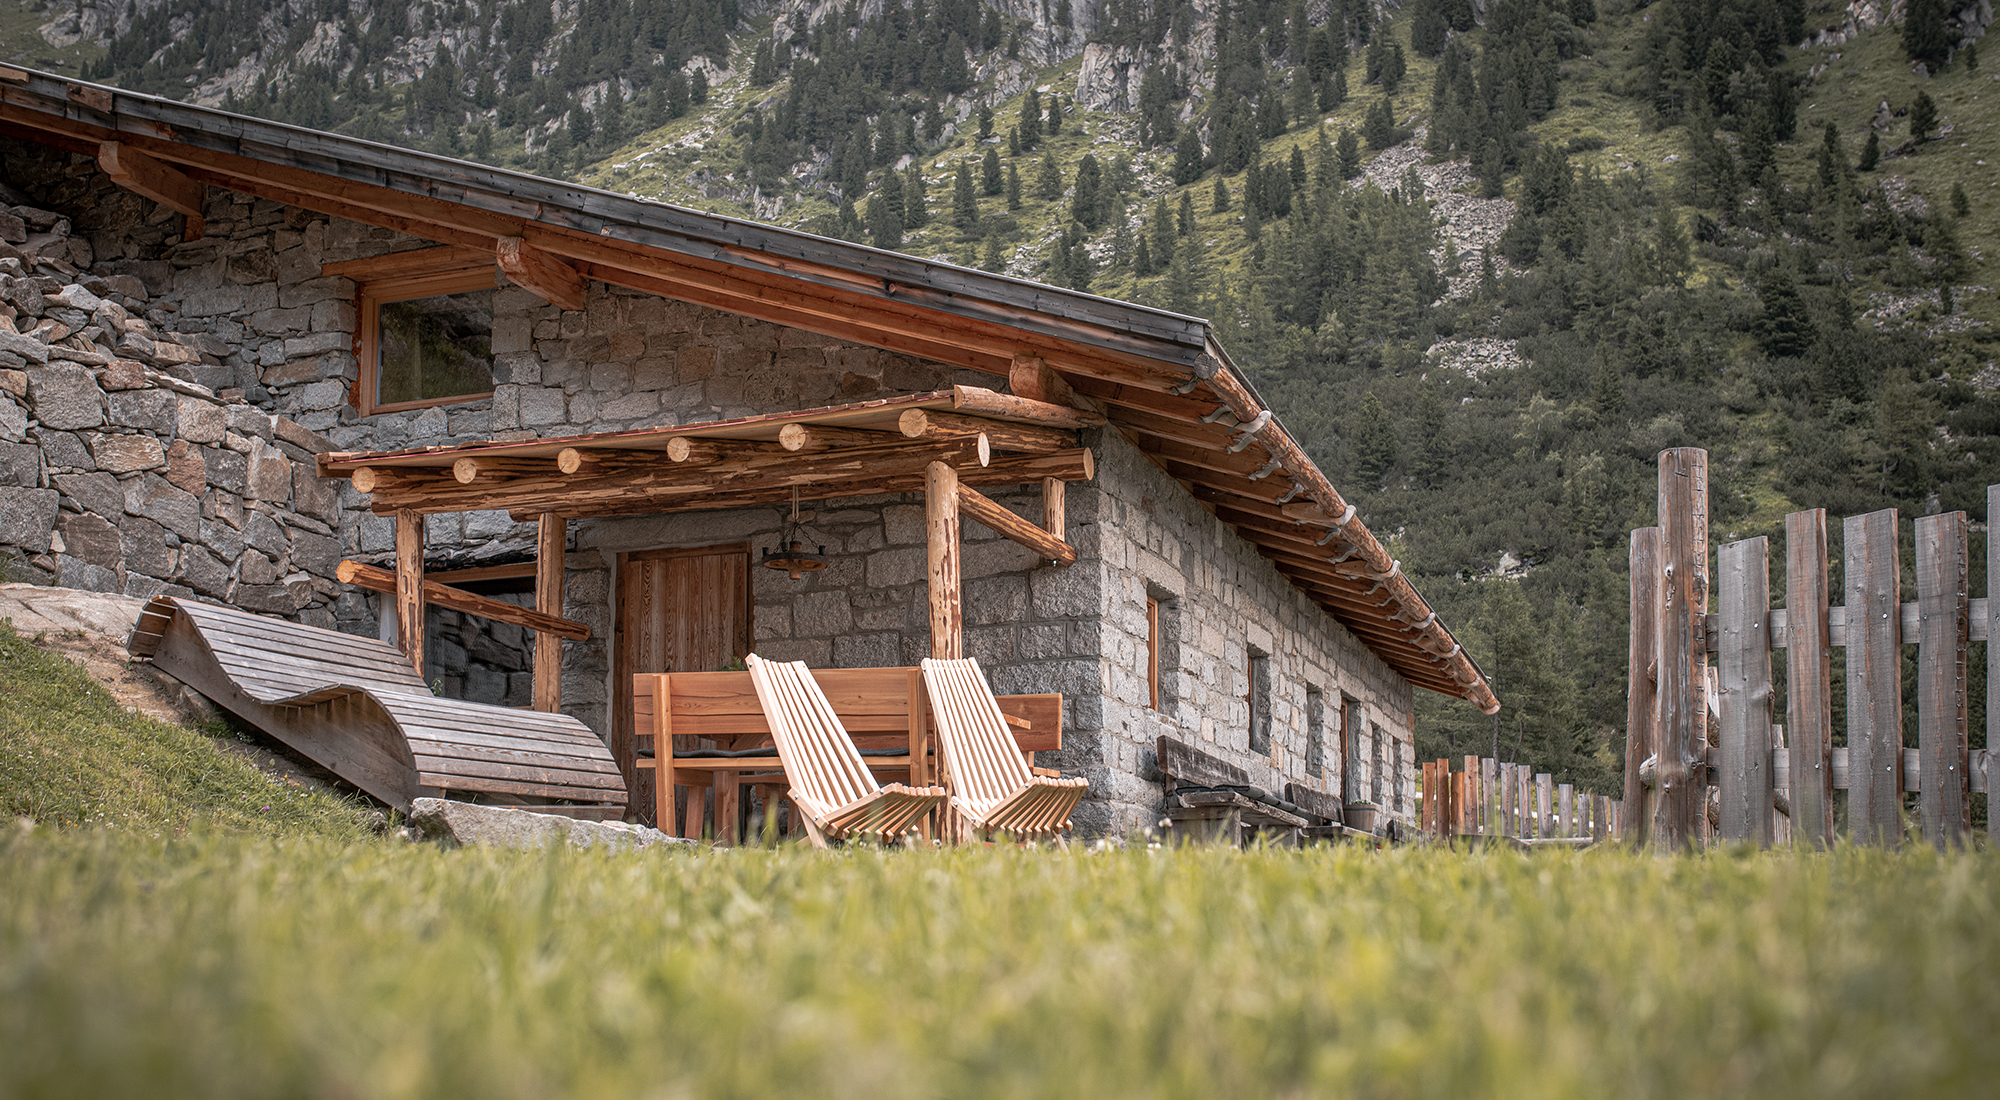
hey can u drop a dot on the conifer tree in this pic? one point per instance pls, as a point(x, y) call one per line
point(1961, 206)
point(1832, 158)
point(1013, 142)
point(990, 180)
point(1163, 231)
point(1374, 446)
point(1030, 127)
point(1186, 219)
point(1187, 157)
point(1326, 167)
point(1349, 152)
point(1785, 327)
point(1333, 91)
point(985, 122)
point(1013, 187)
point(698, 86)
point(1297, 169)
point(1142, 257)
point(1428, 29)
point(1084, 201)
point(1121, 242)
point(1972, 57)
point(1924, 37)
point(992, 259)
point(885, 225)
point(1302, 98)
point(1049, 179)
point(1380, 125)
point(1055, 115)
point(1871, 152)
point(1923, 116)
point(850, 223)
point(1220, 203)
point(916, 206)
point(1187, 282)
point(964, 200)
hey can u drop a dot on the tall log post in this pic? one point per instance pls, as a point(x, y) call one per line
point(410, 586)
point(941, 537)
point(551, 541)
point(1809, 678)
point(1055, 507)
point(1642, 696)
point(1683, 649)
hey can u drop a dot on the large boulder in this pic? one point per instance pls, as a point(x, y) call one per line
point(507, 827)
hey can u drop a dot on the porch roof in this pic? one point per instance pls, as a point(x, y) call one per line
point(1161, 379)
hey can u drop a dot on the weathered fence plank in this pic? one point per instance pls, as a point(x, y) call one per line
point(1565, 809)
point(1874, 677)
point(1808, 677)
point(1642, 697)
point(1682, 680)
point(1544, 826)
point(1946, 609)
point(1743, 598)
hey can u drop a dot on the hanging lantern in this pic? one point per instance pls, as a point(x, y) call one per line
point(791, 555)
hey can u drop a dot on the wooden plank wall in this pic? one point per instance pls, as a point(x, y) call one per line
point(1490, 800)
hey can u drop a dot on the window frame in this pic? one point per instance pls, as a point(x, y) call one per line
point(1153, 646)
point(370, 297)
point(1260, 702)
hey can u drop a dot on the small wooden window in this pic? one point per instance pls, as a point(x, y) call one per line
point(426, 341)
point(1153, 654)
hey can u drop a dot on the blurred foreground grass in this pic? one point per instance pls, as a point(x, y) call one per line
point(241, 966)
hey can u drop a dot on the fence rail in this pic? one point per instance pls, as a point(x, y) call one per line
point(1494, 800)
point(1706, 755)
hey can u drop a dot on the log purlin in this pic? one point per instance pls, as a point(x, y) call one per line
point(969, 318)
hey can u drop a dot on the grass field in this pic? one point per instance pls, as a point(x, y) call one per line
point(244, 966)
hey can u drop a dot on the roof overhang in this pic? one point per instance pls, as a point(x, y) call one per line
point(1161, 378)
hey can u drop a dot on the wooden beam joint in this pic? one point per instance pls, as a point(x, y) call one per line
point(529, 267)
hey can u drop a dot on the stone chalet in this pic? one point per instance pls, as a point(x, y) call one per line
point(238, 354)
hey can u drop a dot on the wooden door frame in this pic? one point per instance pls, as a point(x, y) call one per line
point(621, 663)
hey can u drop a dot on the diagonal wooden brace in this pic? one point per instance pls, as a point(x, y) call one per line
point(554, 281)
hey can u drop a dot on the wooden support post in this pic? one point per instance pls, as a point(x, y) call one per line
point(1055, 507)
point(1489, 797)
point(551, 542)
point(941, 538)
point(142, 175)
point(1028, 376)
point(1507, 826)
point(1566, 809)
point(663, 751)
point(410, 587)
point(728, 809)
point(1743, 659)
point(1874, 677)
point(1469, 813)
point(1642, 696)
point(1542, 808)
point(1809, 678)
point(554, 281)
point(1683, 648)
point(1944, 610)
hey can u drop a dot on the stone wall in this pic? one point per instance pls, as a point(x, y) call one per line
point(1219, 600)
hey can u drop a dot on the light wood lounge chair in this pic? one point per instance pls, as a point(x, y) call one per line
point(830, 783)
point(990, 783)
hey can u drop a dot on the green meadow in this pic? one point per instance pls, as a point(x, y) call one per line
point(239, 965)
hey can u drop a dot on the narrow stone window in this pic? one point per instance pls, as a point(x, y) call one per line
point(1350, 749)
point(1260, 702)
point(1315, 732)
point(1375, 764)
point(1153, 642)
point(1396, 774)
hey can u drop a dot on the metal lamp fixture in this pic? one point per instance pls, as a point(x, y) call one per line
point(791, 555)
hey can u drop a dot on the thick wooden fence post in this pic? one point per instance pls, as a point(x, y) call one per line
point(1743, 660)
point(941, 541)
point(1683, 648)
point(1809, 678)
point(1944, 614)
point(1642, 695)
point(1874, 677)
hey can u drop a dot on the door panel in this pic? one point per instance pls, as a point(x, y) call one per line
point(679, 610)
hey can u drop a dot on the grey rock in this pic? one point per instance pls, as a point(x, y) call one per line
point(200, 421)
point(150, 410)
point(91, 539)
point(202, 572)
point(154, 497)
point(27, 347)
point(144, 545)
point(466, 823)
point(28, 518)
point(98, 493)
point(227, 470)
point(248, 421)
point(270, 473)
point(264, 533)
point(255, 568)
point(20, 464)
point(223, 539)
point(65, 396)
point(62, 449)
point(85, 576)
point(125, 454)
point(315, 553)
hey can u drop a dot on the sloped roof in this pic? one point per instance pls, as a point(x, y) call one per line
point(1163, 379)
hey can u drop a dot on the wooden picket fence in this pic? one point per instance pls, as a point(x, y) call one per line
point(1706, 757)
point(1494, 800)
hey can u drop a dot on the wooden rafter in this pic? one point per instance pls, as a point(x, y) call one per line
point(555, 282)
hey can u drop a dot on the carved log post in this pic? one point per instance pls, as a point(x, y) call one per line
point(551, 538)
point(410, 586)
point(941, 536)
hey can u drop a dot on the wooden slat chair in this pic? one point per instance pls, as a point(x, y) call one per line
point(830, 782)
point(990, 783)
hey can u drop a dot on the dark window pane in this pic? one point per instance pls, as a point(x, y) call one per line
point(436, 347)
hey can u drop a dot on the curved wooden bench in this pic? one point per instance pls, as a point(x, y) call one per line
point(355, 707)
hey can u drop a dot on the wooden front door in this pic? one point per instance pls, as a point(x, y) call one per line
point(682, 609)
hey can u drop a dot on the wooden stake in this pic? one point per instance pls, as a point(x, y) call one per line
point(941, 536)
point(1944, 610)
point(1808, 678)
point(1874, 677)
point(410, 587)
point(1683, 648)
point(1743, 660)
point(1642, 697)
point(551, 546)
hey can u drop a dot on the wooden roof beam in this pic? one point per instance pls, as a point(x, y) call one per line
point(1003, 436)
point(143, 175)
point(532, 269)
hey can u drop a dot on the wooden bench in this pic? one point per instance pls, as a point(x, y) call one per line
point(721, 710)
